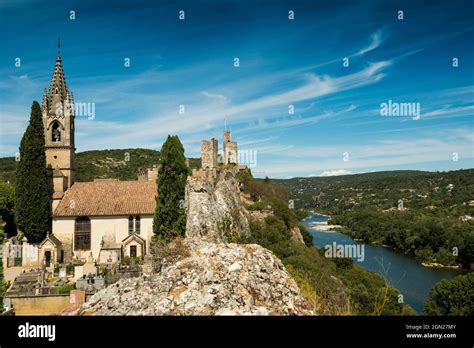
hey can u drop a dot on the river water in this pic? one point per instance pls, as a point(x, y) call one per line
point(412, 279)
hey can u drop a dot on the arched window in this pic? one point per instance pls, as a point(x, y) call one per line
point(56, 132)
point(82, 233)
point(137, 224)
point(130, 224)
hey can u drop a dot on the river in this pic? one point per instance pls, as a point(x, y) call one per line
point(412, 279)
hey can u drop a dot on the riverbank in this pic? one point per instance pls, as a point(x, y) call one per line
point(405, 273)
point(439, 265)
point(323, 226)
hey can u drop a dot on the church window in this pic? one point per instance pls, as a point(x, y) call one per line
point(82, 233)
point(137, 224)
point(130, 224)
point(56, 132)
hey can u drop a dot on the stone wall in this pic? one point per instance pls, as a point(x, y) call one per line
point(230, 149)
point(148, 174)
point(40, 304)
point(209, 151)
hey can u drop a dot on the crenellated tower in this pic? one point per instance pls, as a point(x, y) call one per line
point(58, 121)
point(230, 149)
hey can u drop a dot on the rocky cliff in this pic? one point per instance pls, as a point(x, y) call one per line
point(214, 208)
point(210, 279)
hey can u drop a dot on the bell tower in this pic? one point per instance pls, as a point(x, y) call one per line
point(58, 122)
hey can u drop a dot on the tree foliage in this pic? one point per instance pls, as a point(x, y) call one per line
point(32, 204)
point(7, 203)
point(3, 286)
point(170, 216)
point(452, 297)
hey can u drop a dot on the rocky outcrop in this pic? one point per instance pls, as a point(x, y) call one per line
point(213, 279)
point(296, 234)
point(214, 208)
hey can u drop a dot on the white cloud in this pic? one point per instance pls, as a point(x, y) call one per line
point(336, 172)
point(376, 39)
point(218, 97)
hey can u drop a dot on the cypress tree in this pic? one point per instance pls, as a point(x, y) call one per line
point(169, 220)
point(2, 281)
point(32, 205)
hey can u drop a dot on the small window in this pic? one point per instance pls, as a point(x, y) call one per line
point(130, 224)
point(82, 233)
point(56, 132)
point(137, 224)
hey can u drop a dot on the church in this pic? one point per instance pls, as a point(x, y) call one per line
point(106, 219)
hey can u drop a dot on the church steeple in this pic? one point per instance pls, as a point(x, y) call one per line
point(58, 121)
point(58, 91)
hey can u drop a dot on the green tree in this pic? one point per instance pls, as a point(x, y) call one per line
point(170, 216)
point(3, 286)
point(32, 205)
point(7, 199)
point(452, 297)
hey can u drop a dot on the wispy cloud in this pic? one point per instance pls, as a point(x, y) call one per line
point(375, 40)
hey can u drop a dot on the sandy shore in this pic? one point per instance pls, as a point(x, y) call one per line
point(438, 265)
point(322, 226)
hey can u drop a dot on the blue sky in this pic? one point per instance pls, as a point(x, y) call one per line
point(336, 126)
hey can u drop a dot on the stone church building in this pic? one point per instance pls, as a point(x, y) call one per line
point(107, 219)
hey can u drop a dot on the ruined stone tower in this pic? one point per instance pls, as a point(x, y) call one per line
point(209, 151)
point(58, 122)
point(230, 149)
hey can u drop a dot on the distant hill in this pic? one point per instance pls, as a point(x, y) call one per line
point(120, 164)
point(429, 215)
point(417, 189)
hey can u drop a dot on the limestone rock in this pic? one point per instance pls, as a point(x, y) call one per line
point(214, 207)
point(215, 279)
point(296, 234)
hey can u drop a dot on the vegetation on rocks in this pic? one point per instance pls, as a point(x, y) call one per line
point(332, 287)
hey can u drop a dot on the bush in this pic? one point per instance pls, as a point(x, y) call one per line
point(66, 288)
point(261, 205)
point(126, 260)
point(307, 237)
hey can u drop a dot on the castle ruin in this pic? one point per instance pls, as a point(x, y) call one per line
point(148, 174)
point(209, 154)
point(230, 149)
point(211, 159)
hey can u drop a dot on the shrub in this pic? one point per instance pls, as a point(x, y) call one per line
point(66, 288)
point(167, 253)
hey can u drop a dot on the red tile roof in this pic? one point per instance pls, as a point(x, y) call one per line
point(108, 197)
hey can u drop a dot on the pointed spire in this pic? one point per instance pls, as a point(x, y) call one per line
point(45, 99)
point(58, 91)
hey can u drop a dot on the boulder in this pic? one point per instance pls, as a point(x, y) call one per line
point(215, 279)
